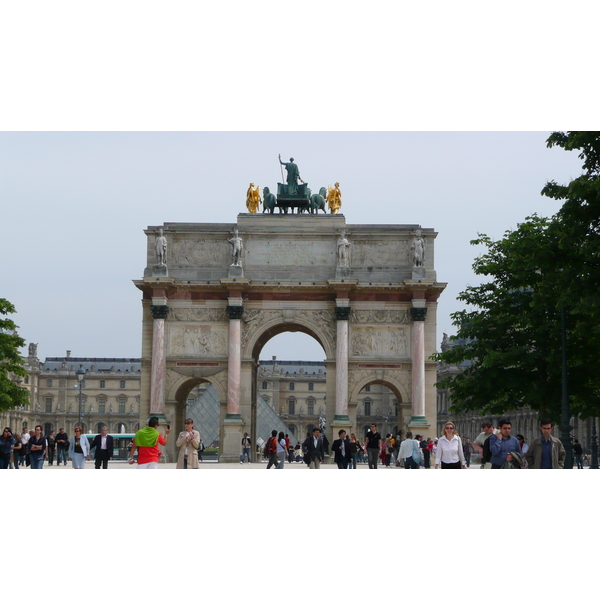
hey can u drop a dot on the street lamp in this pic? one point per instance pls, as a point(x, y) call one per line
point(80, 377)
point(594, 464)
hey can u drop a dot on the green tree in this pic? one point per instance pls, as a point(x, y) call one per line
point(11, 394)
point(513, 328)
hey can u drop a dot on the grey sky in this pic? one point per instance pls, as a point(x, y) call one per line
point(75, 206)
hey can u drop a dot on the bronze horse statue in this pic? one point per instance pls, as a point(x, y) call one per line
point(317, 201)
point(269, 201)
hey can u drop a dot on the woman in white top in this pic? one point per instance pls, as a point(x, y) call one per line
point(281, 450)
point(449, 452)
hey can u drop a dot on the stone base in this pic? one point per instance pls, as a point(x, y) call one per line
point(235, 271)
point(230, 447)
point(418, 422)
point(342, 272)
point(341, 422)
point(419, 273)
point(160, 271)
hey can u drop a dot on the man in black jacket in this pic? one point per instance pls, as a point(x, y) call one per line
point(313, 449)
point(341, 450)
point(104, 448)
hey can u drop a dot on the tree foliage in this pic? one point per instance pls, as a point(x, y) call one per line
point(11, 394)
point(513, 325)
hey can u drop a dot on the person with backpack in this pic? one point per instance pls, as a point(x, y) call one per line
point(270, 451)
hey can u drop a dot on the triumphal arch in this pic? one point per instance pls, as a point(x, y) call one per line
point(214, 294)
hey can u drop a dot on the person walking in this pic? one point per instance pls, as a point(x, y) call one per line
point(7, 444)
point(79, 449)
point(62, 446)
point(37, 448)
point(546, 451)
point(51, 447)
point(406, 451)
point(578, 451)
point(16, 451)
point(354, 450)
point(467, 449)
point(341, 450)
point(373, 444)
point(313, 449)
point(104, 448)
point(450, 454)
point(271, 449)
point(505, 447)
point(281, 450)
point(24, 454)
point(146, 441)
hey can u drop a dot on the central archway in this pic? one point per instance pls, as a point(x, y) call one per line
point(315, 400)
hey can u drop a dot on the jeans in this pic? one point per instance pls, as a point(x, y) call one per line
point(578, 461)
point(51, 452)
point(272, 461)
point(245, 451)
point(353, 459)
point(468, 459)
point(5, 459)
point(281, 458)
point(61, 454)
point(37, 461)
point(373, 456)
point(409, 463)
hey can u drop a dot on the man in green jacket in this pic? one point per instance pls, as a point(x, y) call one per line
point(546, 451)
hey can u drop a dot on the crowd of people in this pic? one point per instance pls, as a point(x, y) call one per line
point(496, 448)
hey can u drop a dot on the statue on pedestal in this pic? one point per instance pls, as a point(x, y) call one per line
point(343, 248)
point(236, 248)
point(160, 246)
point(417, 250)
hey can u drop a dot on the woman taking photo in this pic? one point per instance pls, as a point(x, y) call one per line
point(79, 449)
point(449, 451)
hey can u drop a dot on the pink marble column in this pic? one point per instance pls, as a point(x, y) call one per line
point(234, 369)
point(341, 363)
point(157, 376)
point(418, 363)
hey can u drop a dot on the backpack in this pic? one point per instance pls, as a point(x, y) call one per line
point(487, 453)
point(270, 447)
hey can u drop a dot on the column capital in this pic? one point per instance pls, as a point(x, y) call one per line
point(418, 313)
point(159, 311)
point(235, 312)
point(342, 313)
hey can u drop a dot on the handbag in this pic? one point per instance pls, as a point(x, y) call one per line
point(416, 454)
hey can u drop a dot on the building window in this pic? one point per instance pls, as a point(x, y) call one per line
point(48, 405)
point(292, 386)
point(310, 407)
point(102, 383)
point(367, 408)
point(264, 385)
point(311, 387)
point(122, 403)
point(101, 405)
point(291, 407)
point(49, 383)
point(368, 388)
point(292, 429)
point(122, 384)
point(26, 379)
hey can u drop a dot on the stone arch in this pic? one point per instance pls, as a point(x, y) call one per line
point(377, 378)
point(269, 330)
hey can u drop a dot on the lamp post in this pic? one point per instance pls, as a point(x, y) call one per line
point(80, 377)
point(594, 464)
point(565, 427)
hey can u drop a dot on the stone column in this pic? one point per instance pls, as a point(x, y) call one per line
point(232, 424)
point(342, 313)
point(157, 376)
point(418, 313)
point(234, 367)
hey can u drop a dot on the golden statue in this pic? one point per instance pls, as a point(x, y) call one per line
point(253, 198)
point(334, 198)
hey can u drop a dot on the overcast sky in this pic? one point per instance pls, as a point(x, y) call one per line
point(76, 205)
